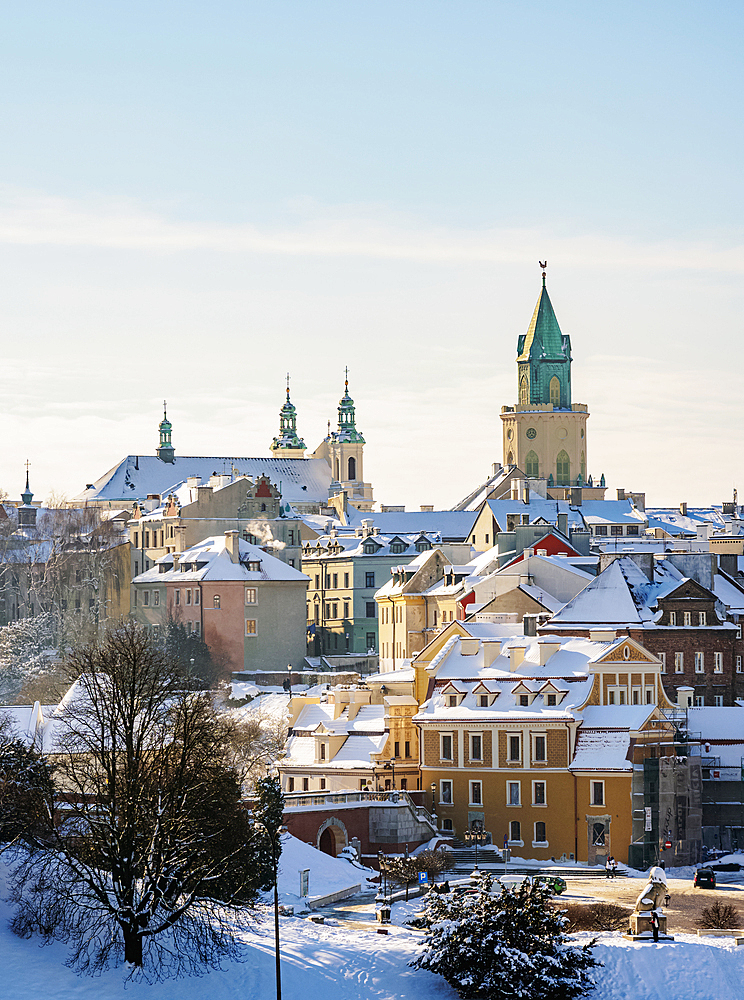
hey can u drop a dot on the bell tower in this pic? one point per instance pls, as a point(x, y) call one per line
point(544, 434)
point(165, 450)
point(288, 444)
point(343, 449)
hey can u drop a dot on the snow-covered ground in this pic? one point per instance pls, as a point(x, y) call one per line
point(327, 875)
point(342, 961)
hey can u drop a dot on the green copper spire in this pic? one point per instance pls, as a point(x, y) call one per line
point(288, 438)
point(347, 417)
point(165, 450)
point(27, 496)
point(544, 358)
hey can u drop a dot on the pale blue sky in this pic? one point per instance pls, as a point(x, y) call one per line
point(196, 197)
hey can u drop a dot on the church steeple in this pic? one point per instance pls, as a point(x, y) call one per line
point(288, 443)
point(165, 451)
point(544, 358)
point(27, 512)
point(347, 431)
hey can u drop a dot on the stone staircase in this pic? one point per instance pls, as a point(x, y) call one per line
point(490, 859)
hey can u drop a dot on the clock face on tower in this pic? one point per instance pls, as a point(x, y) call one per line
point(531, 433)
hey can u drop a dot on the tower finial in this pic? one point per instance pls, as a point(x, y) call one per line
point(27, 466)
point(165, 410)
point(287, 385)
point(544, 265)
point(346, 383)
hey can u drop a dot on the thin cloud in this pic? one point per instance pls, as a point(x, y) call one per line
point(35, 219)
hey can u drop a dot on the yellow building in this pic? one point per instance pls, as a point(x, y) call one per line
point(533, 739)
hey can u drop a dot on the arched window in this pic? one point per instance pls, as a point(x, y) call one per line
point(555, 391)
point(510, 458)
point(352, 468)
point(583, 466)
point(563, 469)
point(337, 477)
point(524, 391)
point(532, 465)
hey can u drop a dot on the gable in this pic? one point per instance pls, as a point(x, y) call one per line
point(689, 590)
point(627, 651)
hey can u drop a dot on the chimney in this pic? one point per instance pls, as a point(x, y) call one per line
point(684, 696)
point(232, 545)
point(516, 656)
point(176, 560)
point(427, 507)
point(203, 493)
point(193, 481)
point(496, 468)
point(683, 509)
point(620, 494)
point(562, 524)
point(525, 492)
point(180, 530)
point(529, 624)
point(367, 525)
point(516, 489)
point(547, 647)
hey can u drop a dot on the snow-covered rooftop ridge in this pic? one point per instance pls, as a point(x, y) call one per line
point(453, 525)
point(210, 559)
point(304, 480)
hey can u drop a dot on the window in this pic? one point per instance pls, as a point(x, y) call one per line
point(738, 631)
point(476, 793)
point(672, 617)
point(335, 610)
point(146, 536)
point(447, 825)
point(515, 832)
point(738, 664)
point(322, 751)
point(600, 529)
point(538, 793)
point(346, 609)
point(322, 784)
point(702, 618)
point(555, 392)
point(177, 597)
point(306, 784)
point(197, 596)
point(531, 467)
point(662, 657)
point(718, 663)
point(476, 747)
point(483, 699)
point(452, 701)
point(513, 796)
point(524, 700)
point(371, 609)
point(136, 539)
point(538, 749)
point(649, 696)
point(598, 798)
point(563, 469)
point(687, 618)
point(598, 834)
point(699, 663)
point(371, 641)
point(188, 597)
point(317, 582)
point(632, 529)
point(369, 579)
point(445, 793)
point(718, 700)
point(699, 701)
point(328, 610)
point(397, 750)
point(250, 626)
point(136, 567)
point(540, 837)
point(145, 599)
point(408, 748)
point(197, 627)
point(216, 602)
point(679, 663)
point(550, 701)
point(616, 529)
point(156, 598)
point(446, 748)
point(328, 581)
point(290, 784)
point(335, 581)
point(514, 749)
point(156, 631)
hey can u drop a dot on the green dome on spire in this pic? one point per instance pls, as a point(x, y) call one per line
point(347, 417)
point(544, 358)
point(165, 450)
point(288, 439)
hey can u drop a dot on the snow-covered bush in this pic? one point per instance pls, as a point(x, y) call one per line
point(28, 644)
point(503, 943)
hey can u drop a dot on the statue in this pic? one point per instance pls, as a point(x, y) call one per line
point(647, 915)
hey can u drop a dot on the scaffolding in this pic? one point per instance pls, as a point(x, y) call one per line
point(723, 804)
point(667, 793)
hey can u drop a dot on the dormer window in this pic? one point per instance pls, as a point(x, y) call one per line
point(370, 548)
point(397, 547)
point(687, 618)
point(550, 700)
point(672, 617)
point(452, 701)
point(423, 545)
point(524, 700)
point(703, 619)
point(483, 701)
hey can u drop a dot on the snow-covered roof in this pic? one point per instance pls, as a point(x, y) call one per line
point(602, 750)
point(356, 751)
point(452, 525)
point(304, 480)
point(213, 562)
point(717, 723)
point(612, 512)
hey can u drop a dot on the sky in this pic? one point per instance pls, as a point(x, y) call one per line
point(197, 198)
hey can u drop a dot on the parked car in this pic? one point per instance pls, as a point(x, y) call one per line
point(705, 878)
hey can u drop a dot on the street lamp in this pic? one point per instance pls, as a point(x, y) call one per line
point(388, 765)
point(434, 802)
point(476, 835)
point(289, 679)
point(275, 858)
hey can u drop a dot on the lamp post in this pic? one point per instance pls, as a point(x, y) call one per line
point(289, 679)
point(476, 835)
point(390, 765)
point(434, 803)
point(272, 840)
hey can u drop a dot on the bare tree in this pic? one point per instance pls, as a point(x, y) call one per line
point(254, 743)
point(156, 860)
